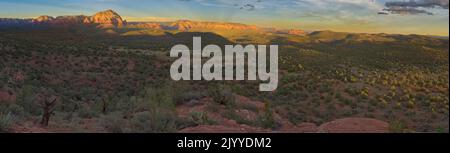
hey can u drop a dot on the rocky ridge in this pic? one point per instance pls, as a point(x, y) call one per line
point(104, 19)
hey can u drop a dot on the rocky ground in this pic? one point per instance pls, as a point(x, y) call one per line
point(223, 124)
point(345, 125)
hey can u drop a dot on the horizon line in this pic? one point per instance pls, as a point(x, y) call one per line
point(157, 19)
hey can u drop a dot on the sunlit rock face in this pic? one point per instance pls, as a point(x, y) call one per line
point(296, 32)
point(43, 19)
point(186, 25)
point(150, 25)
point(104, 19)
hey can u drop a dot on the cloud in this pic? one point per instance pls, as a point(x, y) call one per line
point(420, 3)
point(405, 11)
point(334, 9)
point(249, 7)
point(414, 7)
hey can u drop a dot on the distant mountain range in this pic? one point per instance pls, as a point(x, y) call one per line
point(111, 19)
point(9, 22)
point(104, 19)
point(111, 22)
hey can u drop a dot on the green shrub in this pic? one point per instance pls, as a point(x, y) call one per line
point(182, 123)
point(87, 112)
point(397, 127)
point(295, 115)
point(182, 97)
point(6, 120)
point(13, 109)
point(266, 119)
point(201, 118)
point(151, 111)
point(221, 94)
point(156, 121)
point(113, 123)
point(162, 97)
point(231, 114)
point(26, 99)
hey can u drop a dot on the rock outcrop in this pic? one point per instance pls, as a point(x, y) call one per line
point(110, 19)
point(296, 32)
point(228, 125)
point(355, 125)
point(104, 19)
point(149, 25)
point(43, 19)
point(186, 25)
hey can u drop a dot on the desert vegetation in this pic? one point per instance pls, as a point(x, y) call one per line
point(85, 79)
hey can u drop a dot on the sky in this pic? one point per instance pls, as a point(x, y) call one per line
point(426, 17)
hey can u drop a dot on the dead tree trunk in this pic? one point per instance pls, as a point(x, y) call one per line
point(48, 106)
point(104, 106)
